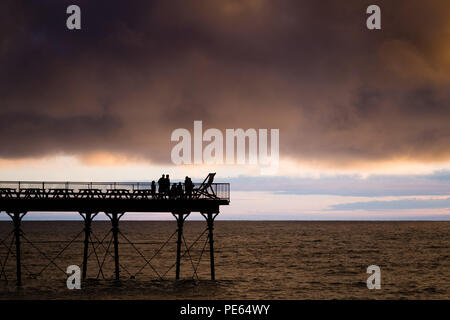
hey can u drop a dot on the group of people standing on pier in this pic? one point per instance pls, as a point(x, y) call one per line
point(174, 191)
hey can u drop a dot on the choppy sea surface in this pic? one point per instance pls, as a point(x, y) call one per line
point(254, 260)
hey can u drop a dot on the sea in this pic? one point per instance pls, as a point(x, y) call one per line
point(253, 260)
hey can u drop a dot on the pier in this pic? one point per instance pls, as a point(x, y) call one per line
point(114, 199)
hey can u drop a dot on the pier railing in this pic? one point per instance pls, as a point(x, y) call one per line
point(126, 190)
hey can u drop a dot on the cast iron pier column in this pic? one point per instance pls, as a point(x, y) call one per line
point(17, 219)
point(181, 217)
point(87, 217)
point(115, 217)
point(209, 216)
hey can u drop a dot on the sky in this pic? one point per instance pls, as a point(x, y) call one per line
point(363, 115)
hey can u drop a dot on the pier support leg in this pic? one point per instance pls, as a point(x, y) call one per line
point(181, 217)
point(210, 222)
point(115, 217)
point(17, 219)
point(87, 217)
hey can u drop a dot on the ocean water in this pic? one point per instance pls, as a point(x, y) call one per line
point(254, 260)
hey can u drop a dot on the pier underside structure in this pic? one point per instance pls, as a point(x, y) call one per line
point(114, 199)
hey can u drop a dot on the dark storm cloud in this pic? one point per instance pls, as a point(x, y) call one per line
point(85, 132)
point(139, 69)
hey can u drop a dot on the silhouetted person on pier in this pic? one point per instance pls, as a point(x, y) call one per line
point(153, 189)
point(179, 190)
point(167, 184)
point(188, 187)
point(173, 191)
point(161, 185)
